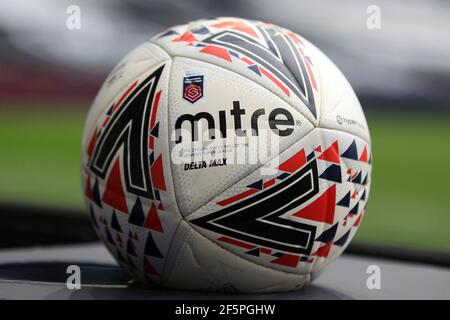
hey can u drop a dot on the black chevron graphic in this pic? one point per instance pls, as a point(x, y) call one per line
point(258, 219)
point(281, 59)
point(129, 127)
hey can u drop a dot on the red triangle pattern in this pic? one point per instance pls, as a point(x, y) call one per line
point(358, 221)
point(288, 260)
point(248, 61)
point(88, 189)
point(217, 51)
point(322, 209)
point(152, 221)
point(119, 239)
point(274, 79)
point(237, 197)
point(92, 142)
point(364, 157)
point(151, 143)
point(148, 267)
point(295, 37)
point(185, 37)
point(324, 250)
point(236, 25)
point(158, 174)
point(105, 122)
point(331, 154)
point(113, 194)
point(293, 163)
point(269, 183)
point(124, 95)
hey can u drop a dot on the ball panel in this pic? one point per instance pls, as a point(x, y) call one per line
point(314, 225)
point(223, 92)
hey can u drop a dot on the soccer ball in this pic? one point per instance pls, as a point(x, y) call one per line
point(226, 155)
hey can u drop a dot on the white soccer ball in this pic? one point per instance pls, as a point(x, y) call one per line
point(178, 168)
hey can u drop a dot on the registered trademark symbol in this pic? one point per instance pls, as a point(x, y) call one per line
point(298, 123)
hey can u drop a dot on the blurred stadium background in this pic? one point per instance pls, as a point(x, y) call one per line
point(401, 73)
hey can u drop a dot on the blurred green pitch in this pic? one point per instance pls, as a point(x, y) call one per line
point(409, 202)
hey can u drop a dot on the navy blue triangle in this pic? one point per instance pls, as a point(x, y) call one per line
point(363, 197)
point(310, 156)
point(342, 240)
point(234, 54)
point(354, 209)
point(332, 173)
point(137, 216)
point(255, 69)
point(351, 152)
point(109, 237)
point(155, 130)
point(254, 252)
point(365, 180)
point(151, 158)
point(130, 248)
point(357, 179)
point(110, 110)
point(168, 33)
point(256, 185)
point(96, 194)
point(278, 254)
point(328, 234)
point(93, 218)
point(304, 258)
point(284, 175)
point(200, 30)
point(150, 247)
point(345, 201)
point(115, 223)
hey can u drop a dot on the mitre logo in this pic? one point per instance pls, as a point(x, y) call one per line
point(237, 120)
point(193, 87)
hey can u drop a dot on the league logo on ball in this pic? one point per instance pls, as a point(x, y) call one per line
point(193, 87)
